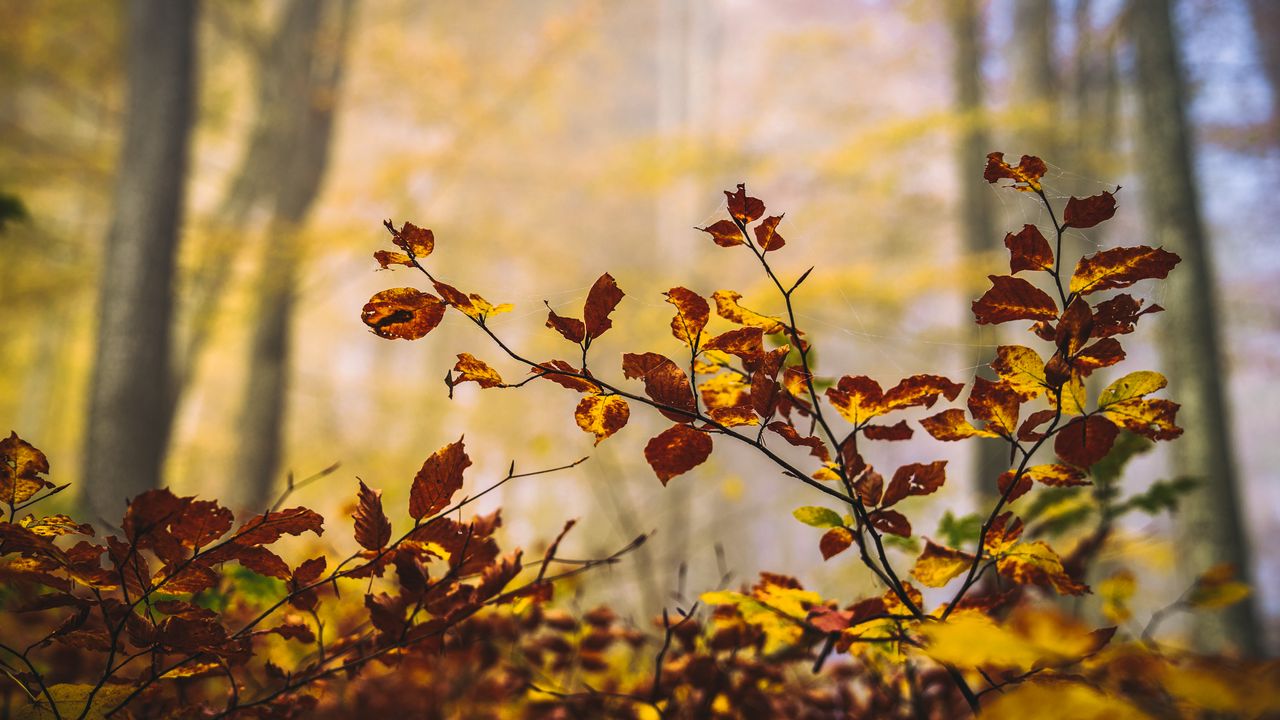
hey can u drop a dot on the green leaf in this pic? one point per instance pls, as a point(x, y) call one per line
point(909, 545)
point(959, 531)
point(818, 517)
point(1162, 495)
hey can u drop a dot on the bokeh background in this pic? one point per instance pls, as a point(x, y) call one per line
point(547, 142)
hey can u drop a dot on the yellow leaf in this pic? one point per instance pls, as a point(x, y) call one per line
point(728, 308)
point(1116, 591)
point(70, 700)
point(1022, 368)
point(602, 415)
point(1035, 563)
point(1029, 639)
point(1068, 699)
point(939, 565)
point(1218, 588)
point(1133, 385)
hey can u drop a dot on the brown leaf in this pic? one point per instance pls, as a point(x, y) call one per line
point(892, 522)
point(692, 313)
point(1153, 418)
point(373, 530)
point(1104, 353)
point(996, 402)
point(1027, 431)
point(951, 425)
point(603, 297)
point(767, 234)
point(1121, 267)
point(418, 242)
point(664, 382)
point(724, 233)
point(857, 398)
point(914, 479)
point(471, 369)
point(1012, 298)
point(387, 258)
point(1028, 250)
point(402, 313)
point(728, 308)
point(816, 447)
point(1118, 315)
point(554, 370)
point(744, 342)
point(920, 390)
point(677, 450)
point(870, 487)
point(268, 527)
point(898, 431)
point(742, 206)
point(573, 329)
point(1022, 488)
point(1087, 212)
point(440, 477)
point(602, 415)
point(1085, 440)
point(1075, 327)
point(835, 541)
point(1025, 176)
point(21, 466)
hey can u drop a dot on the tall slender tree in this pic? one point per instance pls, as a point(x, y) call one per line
point(303, 70)
point(129, 411)
point(977, 225)
point(1210, 525)
point(1035, 79)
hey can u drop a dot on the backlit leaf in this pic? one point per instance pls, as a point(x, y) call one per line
point(1087, 212)
point(603, 297)
point(692, 313)
point(602, 415)
point(1084, 441)
point(892, 522)
point(920, 391)
point(1080, 700)
point(1021, 368)
point(818, 517)
point(897, 431)
point(418, 242)
point(1218, 588)
point(471, 369)
point(997, 403)
point(742, 206)
point(1028, 250)
point(387, 258)
point(1025, 175)
point(835, 541)
point(728, 308)
point(1121, 267)
point(914, 479)
point(939, 565)
point(744, 342)
point(953, 425)
point(817, 448)
point(565, 375)
point(373, 530)
point(1035, 563)
point(1133, 385)
point(437, 481)
point(1056, 475)
point(664, 382)
point(677, 450)
point(857, 399)
point(767, 234)
point(1012, 298)
point(572, 329)
point(21, 466)
point(1152, 418)
point(402, 313)
point(724, 233)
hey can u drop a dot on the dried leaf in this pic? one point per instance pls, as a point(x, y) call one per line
point(440, 477)
point(402, 313)
point(677, 450)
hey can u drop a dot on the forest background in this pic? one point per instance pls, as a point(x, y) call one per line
point(552, 141)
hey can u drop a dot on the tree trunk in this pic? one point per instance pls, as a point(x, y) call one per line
point(1209, 523)
point(129, 412)
point(1035, 81)
point(1266, 24)
point(991, 457)
point(303, 68)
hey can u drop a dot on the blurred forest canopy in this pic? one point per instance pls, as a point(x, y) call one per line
point(552, 141)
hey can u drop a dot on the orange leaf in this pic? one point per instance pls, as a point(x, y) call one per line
point(767, 234)
point(1121, 267)
point(603, 297)
point(573, 329)
point(920, 390)
point(373, 530)
point(1090, 211)
point(892, 522)
point(1104, 353)
point(677, 450)
point(1035, 563)
point(602, 415)
point(816, 447)
point(387, 258)
point(1012, 298)
point(1028, 250)
point(1022, 488)
point(952, 425)
point(835, 541)
point(724, 233)
point(744, 342)
point(742, 206)
point(471, 369)
point(418, 242)
point(1056, 475)
point(857, 399)
point(939, 564)
point(21, 465)
point(1085, 440)
point(870, 487)
point(728, 308)
point(554, 370)
point(1025, 176)
point(997, 403)
point(403, 313)
point(692, 313)
point(734, 415)
point(664, 382)
point(440, 477)
point(914, 479)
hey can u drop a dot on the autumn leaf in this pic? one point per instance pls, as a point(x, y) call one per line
point(471, 369)
point(418, 242)
point(1035, 563)
point(440, 477)
point(387, 258)
point(1030, 699)
point(1116, 591)
point(870, 487)
point(603, 297)
point(373, 530)
point(1217, 588)
point(735, 416)
point(1154, 418)
point(573, 329)
point(817, 448)
point(892, 522)
point(1012, 298)
point(56, 525)
point(21, 466)
point(997, 403)
point(835, 541)
point(1055, 475)
point(473, 306)
point(565, 375)
point(742, 206)
point(1025, 175)
point(1087, 212)
point(914, 479)
point(677, 450)
point(402, 313)
point(767, 234)
point(857, 398)
point(951, 425)
point(898, 431)
point(602, 415)
point(269, 527)
point(692, 313)
point(1119, 315)
point(1121, 267)
point(1028, 250)
point(1086, 440)
point(1103, 353)
point(1022, 369)
point(725, 390)
point(744, 342)
point(1011, 490)
point(920, 391)
point(724, 233)
point(1131, 386)
point(728, 308)
point(664, 382)
point(939, 565)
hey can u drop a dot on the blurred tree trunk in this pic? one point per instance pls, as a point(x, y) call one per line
point(302, 70)
point(1210, 525)
point(977, 226)
point(129, 411)
point(1266, 25)
point(1035, 80)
